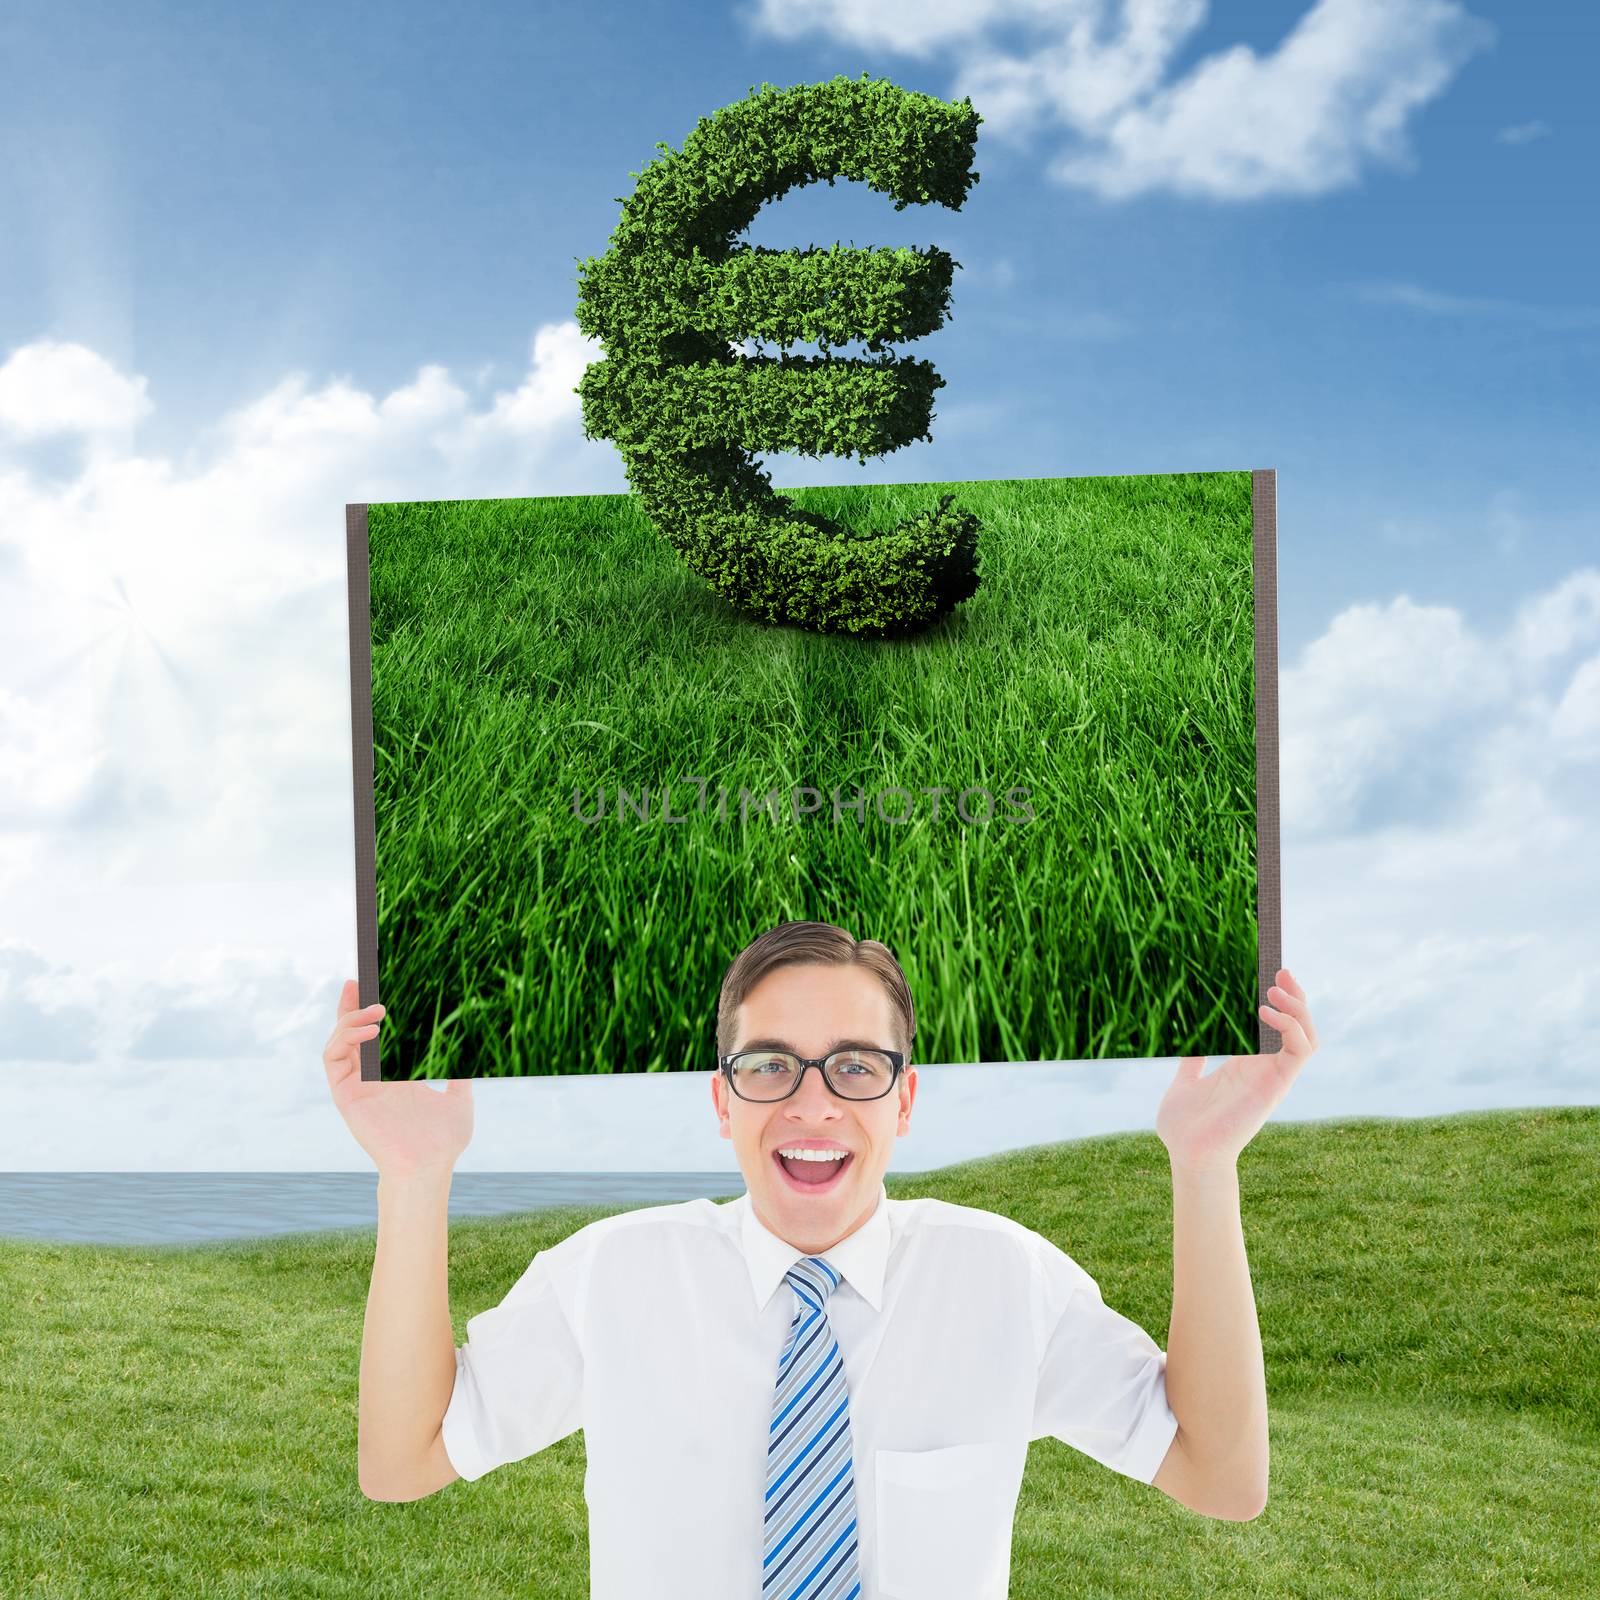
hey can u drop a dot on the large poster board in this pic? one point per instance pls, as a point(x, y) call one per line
point(583, 781)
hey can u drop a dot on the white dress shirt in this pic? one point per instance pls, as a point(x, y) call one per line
point(657, 1331)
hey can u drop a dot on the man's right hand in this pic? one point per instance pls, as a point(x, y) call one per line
point(406, 1126)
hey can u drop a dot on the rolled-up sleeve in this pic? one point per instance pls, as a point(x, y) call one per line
point(519, 1377)
point(1102, 1385)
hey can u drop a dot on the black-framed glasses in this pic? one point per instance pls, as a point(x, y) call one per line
point(776, 1074)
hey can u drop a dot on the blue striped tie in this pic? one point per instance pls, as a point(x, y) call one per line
point(810, 1538)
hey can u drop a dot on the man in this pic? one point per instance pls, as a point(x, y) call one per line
point(813, 1392)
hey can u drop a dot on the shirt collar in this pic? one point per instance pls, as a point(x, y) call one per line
point(860, 1258)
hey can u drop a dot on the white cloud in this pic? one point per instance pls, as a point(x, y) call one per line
point(1400, 713)
point(50, 387)
point(1382, 680)
point(910, 27)
point(1078, 77)
point(1575, 722)
point(544, 398)
point(47, 759)
point(1433, 302)
point(1508, 524)
point(171, 685)
point(1524, 132)
point(1439, 840)
point(431, 401)
point(1562, 621)
point(46, 1009)
point(1305, 118)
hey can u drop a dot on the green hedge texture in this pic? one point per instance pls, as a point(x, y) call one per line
point(676, 293)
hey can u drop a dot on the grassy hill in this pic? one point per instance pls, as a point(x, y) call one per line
point(182, 1420)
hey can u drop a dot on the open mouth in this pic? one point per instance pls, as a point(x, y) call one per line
point(812, 1177)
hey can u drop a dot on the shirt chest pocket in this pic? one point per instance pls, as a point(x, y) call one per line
point(943, 1520)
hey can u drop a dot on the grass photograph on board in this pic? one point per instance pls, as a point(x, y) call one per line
point(584, 779)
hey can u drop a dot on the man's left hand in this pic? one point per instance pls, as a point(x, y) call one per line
point(1206, 1121)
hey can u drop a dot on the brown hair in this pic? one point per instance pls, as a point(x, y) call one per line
point(791, 943)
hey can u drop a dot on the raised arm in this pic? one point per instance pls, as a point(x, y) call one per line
point(414, 1134)
point(408, 1357)
point(1216, 1379)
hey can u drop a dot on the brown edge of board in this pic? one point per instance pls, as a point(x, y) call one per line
point(1269, 883)
point(361, 762)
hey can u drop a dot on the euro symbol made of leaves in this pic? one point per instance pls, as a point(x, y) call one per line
point(676, 293)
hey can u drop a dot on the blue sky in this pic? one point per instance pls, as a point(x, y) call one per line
point(259, 264)
point(210, 200)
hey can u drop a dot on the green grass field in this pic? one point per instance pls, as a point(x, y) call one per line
point(182, 1421)
point(525, 650)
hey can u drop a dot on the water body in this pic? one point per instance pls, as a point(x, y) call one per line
point(193, 1207)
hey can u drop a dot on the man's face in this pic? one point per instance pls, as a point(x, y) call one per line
point(810, 1009)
